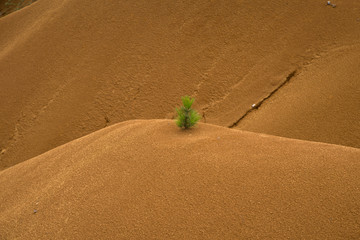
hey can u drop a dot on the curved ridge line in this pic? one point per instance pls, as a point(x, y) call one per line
point(288, 78)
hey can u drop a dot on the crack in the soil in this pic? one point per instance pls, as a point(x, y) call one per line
point(257, 105)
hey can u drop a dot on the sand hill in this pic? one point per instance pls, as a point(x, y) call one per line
point(150, 180)
point(69, 68)
point(70, 71)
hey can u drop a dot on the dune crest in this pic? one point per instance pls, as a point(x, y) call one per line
point(148, 179)
point(69, 68)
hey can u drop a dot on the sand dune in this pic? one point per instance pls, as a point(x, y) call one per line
point(150, 180)
point(69, 68)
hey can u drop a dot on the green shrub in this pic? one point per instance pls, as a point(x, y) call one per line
point(187, 117)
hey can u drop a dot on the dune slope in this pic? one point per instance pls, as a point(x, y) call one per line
point(69, 68)
point(321, 103)
point(149, 180)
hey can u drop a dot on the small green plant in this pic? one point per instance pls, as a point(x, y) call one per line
point(187, 117)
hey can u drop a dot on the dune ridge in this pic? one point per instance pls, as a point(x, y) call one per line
point(69, 68)
point(148, 179)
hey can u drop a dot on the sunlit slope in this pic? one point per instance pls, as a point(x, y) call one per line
point(69, 68)
point(322, 103)
point(150, 180)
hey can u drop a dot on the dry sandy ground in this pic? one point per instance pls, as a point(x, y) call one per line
point(321, 103)
point(69, 68)
point(147, 179)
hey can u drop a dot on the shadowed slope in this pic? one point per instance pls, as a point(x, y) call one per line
point(150, 180)
point(9, 6)
point(69, 68)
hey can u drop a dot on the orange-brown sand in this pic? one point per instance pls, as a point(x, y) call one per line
point(321, 103)
point(69, 68)
point(147, 179)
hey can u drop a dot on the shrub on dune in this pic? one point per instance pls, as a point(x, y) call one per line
point(187, 117)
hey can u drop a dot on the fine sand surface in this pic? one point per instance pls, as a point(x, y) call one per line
point(147, 179)
point(321, 103)
point(69, 68)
